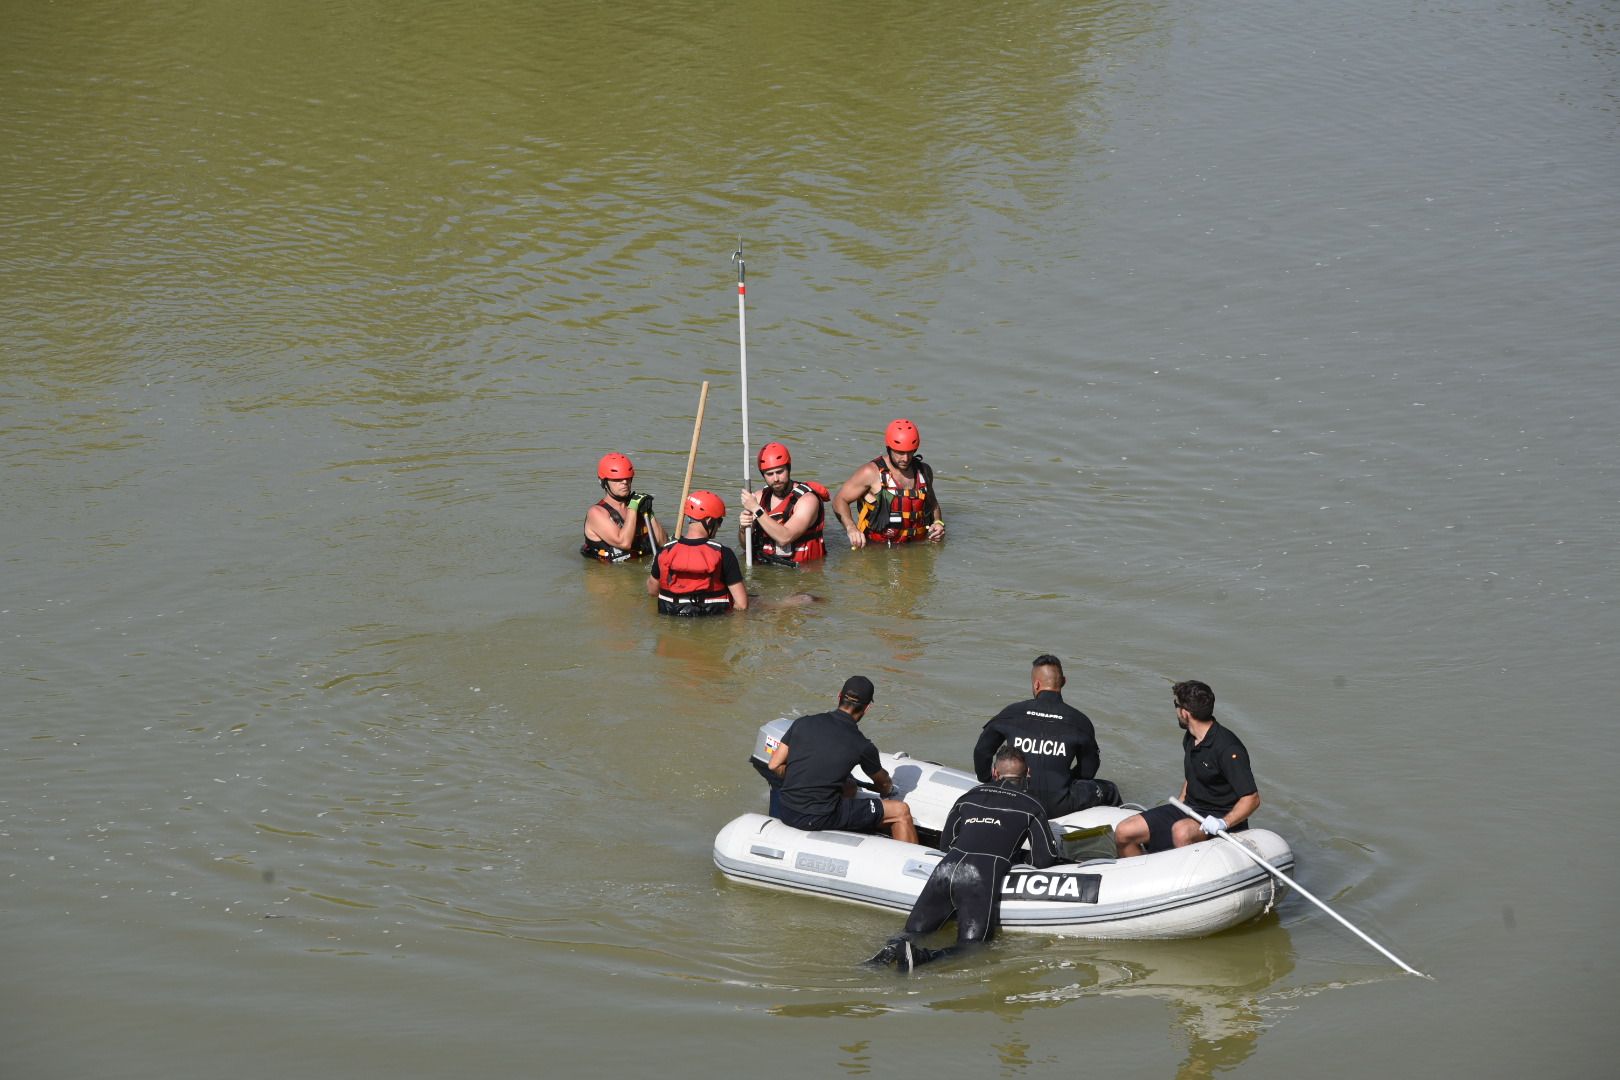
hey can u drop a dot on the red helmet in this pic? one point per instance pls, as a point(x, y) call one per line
point(774, 455)
point(615, 467)
point(704, 505)
point(902, 435)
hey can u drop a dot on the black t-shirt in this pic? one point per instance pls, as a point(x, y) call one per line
point(1217, 770)
point(822, 749)
point(1058, 741)
point(993, 819)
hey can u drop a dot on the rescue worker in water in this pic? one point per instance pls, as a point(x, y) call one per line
point(984, 833)
point(621, 526)
point(785, 516)
point(695, 575)
point(890, 499)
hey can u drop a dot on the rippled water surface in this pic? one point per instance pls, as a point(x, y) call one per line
point(1269, 344)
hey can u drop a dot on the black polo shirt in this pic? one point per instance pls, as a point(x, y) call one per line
point(1217, 770)
point(822, 749)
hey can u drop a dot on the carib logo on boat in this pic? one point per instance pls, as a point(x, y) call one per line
point(1052, 888)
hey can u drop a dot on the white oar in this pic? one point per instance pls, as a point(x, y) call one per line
point(1292, 884)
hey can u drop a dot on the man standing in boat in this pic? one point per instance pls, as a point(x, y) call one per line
point(696, 575)
point(1059, 743)
point(982, 836)
point(1218, 782)
point(890, 499)
point(785, 516)
point(621, 525)
point(814, 759)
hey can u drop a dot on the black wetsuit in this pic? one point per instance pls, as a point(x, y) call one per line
point(982, 836)
point(1060, 745)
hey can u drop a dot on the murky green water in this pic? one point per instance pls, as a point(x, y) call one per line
point(1266, 344)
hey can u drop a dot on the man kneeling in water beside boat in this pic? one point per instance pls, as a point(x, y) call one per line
point(1218, 782)
point(982, 835)
point(817, 791)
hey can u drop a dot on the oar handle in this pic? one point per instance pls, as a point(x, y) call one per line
point(691, 460)
point(1297, 887)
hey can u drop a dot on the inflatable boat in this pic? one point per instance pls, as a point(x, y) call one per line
point(1188, 892)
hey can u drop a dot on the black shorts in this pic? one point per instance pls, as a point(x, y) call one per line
point(852, 815)
point(1161, 820)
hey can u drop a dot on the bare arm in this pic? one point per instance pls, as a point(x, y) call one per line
point(783, 532)
point(855, 489)
point(739, 596)
point(749, 514)
point(882, 782)
point(599, 526)
point(778, 762)
point(931, 510)
point(1242, 809)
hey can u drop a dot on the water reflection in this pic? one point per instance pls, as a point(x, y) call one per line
point(885, 590)
point(859, 1062)
point(1220, 990)
point(616, 605)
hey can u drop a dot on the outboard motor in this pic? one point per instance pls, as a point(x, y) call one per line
point(770, 733)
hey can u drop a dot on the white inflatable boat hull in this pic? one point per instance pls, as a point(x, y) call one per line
point(1189, 892)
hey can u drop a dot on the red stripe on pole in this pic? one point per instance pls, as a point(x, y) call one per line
point(742, 290)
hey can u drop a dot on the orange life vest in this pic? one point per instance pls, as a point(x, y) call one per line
point(690, 581)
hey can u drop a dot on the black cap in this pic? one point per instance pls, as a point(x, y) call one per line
point(857, 688)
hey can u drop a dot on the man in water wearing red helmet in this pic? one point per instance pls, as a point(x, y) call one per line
point(890, 499)
point(618, 527)
point(785, 516)
point(695, 575)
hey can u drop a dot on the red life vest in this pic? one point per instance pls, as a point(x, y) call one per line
point(602, 551)
point(690, 581)
point(806, 548)
point(900, 512)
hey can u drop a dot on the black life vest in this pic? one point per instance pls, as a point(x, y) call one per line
point(602, 551)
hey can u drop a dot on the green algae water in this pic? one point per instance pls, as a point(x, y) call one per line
point(1270, 344)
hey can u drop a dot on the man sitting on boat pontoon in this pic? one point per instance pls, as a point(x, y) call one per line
point(1059, 744)
point(982, 836)
point(1218, 782)
point(824, 748)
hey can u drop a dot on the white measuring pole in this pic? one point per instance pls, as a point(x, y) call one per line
point(1291, 883)
point(742, 347)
